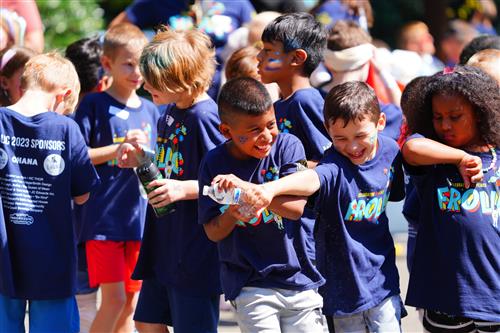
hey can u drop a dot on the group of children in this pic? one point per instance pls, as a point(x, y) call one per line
point(307, 248)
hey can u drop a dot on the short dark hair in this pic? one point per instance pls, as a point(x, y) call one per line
point(350, 101)
point(474, 85)
point(243, 95)
point(298, 31)
point(479, 43)
point(85, 54)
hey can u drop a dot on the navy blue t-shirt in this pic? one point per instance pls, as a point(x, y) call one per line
point(44, 163)
point(354, 247)
point(150, 13)
point(394, 120)
point(268, 252)
point(302, 115)
point(175, 249)
point(116, 210)
point(456, 267)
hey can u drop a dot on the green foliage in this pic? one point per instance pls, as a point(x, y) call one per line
point(66, 21)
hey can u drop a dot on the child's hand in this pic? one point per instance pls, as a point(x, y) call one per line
point(168, 191)
point(136, 136)
point(127, 155)
point(470, 168)
point(229, 182)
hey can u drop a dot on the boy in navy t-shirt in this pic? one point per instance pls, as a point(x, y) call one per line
point(355, 179)
point(293, 48)
point(44, 163)
point(265, 270)
point(177, 262)
point(111, 222)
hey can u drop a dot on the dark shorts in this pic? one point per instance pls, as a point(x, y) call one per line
point(159, 304)
point(442, 323)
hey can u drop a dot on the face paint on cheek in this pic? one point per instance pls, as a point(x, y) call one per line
point(274, 64)
point(373, 138)
point(242, 139)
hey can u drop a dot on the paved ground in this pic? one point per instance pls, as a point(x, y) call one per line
point(411, 323)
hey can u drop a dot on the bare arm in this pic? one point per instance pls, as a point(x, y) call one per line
point(120, 18)
point(221, 226)
point(422, 151)
point(171, 190)
point(288, 206)
point(81, 199)
point(103, 154)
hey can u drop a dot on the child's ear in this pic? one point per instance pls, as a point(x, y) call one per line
point(299, 57)
point(3, 82)
point(225, 130)
point(105, 63)
point(381, 122)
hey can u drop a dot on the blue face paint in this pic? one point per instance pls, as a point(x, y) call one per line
point(273, 64)
point(242, 139)
point(373, 138)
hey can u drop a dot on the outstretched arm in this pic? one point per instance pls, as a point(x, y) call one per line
point(422, 151)
point(303, 183)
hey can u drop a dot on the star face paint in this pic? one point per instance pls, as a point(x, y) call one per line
point(242, 139)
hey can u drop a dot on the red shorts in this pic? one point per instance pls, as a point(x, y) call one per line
point(112, 261)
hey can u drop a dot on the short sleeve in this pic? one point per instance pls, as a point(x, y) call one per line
point(398, 183)
point(208, 131)
point(83, 174)
point(311, 123)
point(327, 174)
point(412, 169)
point(85, 118)
point(207, 208)
point(293, 155)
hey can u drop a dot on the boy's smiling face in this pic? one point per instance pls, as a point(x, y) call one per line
point(356, 140)
point(251, 136)
point(124, 68)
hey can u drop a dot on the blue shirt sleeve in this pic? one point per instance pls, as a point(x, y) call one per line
point(315, 139)
point(327, 174)
point(85, 118)
point(293, 155)
point(83, 174)
point(209, 134)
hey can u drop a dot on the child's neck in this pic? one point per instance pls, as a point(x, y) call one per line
point(189, 100)
point(34, 102)
point(125, 96)
point(297, 82)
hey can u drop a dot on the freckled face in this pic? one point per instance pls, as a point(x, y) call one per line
point(454, 121)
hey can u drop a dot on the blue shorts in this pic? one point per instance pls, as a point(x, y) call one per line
point(58, 315)
point(159, 304)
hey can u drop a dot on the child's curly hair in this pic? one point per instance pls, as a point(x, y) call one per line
point(472, 83)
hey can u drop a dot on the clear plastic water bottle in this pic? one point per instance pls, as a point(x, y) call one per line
point(147, 172)
point(231, 197)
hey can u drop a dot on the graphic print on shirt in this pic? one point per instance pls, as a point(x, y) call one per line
point(267, 216)
point(168, 156)
point(214, 22)
point(120, 134)
point(284, 125)
point(483, 198)
point(369, 205)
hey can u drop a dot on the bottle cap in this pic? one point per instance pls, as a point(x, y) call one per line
point(205, 190)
